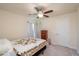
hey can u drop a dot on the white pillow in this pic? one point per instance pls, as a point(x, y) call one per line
point(5, 46)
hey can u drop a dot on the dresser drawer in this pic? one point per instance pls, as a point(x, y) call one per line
point(44, 34)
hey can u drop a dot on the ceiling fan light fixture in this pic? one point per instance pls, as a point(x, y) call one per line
point(40, 14)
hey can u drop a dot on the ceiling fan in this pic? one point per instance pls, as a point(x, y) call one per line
point(40, 12)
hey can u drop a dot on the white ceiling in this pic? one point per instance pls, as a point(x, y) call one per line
point(27, 8)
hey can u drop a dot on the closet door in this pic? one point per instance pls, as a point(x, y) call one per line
point(62, 32)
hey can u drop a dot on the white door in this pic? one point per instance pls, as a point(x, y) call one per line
point(61, 32)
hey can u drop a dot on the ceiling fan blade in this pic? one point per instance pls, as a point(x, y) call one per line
point(36, 8)
point(46, 15)
point(48, 11)
point(33, 14)
point(39, 8)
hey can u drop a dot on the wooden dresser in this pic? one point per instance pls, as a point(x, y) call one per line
point(44, 34)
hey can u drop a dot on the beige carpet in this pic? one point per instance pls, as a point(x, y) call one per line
point(55, 50)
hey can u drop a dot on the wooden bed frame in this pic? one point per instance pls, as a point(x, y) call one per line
point(40, 51)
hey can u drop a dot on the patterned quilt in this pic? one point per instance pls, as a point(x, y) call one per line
point(30, 49)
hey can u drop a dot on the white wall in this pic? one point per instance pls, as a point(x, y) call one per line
point(12, 25)
point(62, 29)
point(78, 32)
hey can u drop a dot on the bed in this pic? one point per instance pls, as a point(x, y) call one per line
point(31, 49)
point(22, 47)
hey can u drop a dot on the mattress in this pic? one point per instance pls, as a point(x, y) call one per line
point(30, 49)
